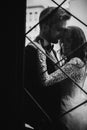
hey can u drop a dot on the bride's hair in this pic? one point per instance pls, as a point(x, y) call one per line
point(73, 38)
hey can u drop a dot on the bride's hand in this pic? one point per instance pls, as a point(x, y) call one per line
point(77, 61)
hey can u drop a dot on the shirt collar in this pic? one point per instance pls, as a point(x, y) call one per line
point(48, 48)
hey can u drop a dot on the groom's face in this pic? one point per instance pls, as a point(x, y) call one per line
point(56, 31)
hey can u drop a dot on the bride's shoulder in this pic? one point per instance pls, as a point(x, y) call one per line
point(75, 68)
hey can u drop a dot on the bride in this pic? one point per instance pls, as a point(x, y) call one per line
point(72, 91)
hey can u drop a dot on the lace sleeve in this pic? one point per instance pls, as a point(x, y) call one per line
point(71, 68)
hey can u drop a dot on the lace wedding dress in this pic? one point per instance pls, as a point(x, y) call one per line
point(77, 118)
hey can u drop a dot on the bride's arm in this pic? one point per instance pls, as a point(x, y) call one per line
point(71, 68)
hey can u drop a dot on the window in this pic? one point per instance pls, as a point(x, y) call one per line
point(36, 16)
point(30, 16)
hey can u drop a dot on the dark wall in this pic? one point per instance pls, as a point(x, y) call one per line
point(16, 31)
